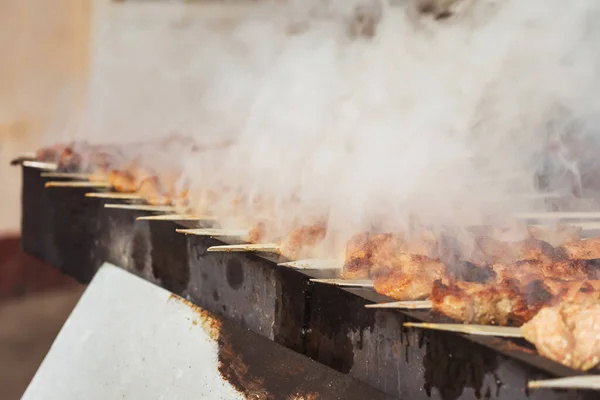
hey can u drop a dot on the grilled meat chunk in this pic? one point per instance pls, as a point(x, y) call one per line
point(50, 153)
point(588, 249)
point(409, 276)
point(257, 233)
point(490, 251)
point(510, 302)
point(469, 272)
point(556, 235)
point(300, 239)
point(477, 303)
point(360, 251)
point(567, 333)
point(368, 255)
point(531, 270)
point(124, 181)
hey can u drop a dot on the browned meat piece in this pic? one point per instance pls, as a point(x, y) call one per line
point(301, 239)
point(569, 270)
point(534, 249)
point(359, 253)
point(357, 260)
point(573, 291)
point(151, 190)
point(78, 157)
point(556, 235)
point(257, 233)
point(469, 272)
point(531, 270)
point(123, 180)
point(409, 277)
point(368, 255)
point(99, 175)
point(388, 252)
point(490, 251)
point(477, 303)
point(567, 333)
point(69, 160)
point(423, 242)
point(588, 249)
point(162, 189)
point(50, 153)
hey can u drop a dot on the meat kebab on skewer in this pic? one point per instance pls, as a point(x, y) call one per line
point(513, 305)
point(567, 333)
point(407, 276)
point(296, 243)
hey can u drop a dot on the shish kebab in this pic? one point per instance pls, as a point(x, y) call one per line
point(500, 283)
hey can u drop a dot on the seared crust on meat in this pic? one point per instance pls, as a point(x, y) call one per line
point(588, 249)
point(477, 303)
point(302, 238)
point(409, 277)
point(360, 251)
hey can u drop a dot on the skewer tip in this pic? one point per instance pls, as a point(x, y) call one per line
point(174, 217)
point(312, 264)
point(344, 282)
point(40, 165)
point(141, 207)
point(76, 184)
point(214, 232)
point(251, 247)
point(404, 305)
point(590, 382)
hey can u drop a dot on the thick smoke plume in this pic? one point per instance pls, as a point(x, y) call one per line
point(368, 113)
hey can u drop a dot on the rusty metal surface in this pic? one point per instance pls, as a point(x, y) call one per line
point(326, 323)
point(260, 369)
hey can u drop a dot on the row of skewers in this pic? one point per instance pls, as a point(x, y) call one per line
point(547, 293)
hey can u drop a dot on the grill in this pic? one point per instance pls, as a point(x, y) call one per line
point(324, 330)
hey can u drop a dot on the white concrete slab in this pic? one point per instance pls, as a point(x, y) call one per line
point(129, 339)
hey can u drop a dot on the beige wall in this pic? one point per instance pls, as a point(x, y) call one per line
point(43, 47)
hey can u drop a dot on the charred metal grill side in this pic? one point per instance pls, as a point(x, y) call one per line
point(326, 323)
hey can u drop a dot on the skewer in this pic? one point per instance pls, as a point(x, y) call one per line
point(68, 175)
point(249, 247)
point(23, 157)
point(312, 264)
point(586, 226)
point(559, 215)
point(482, 330)
point(141, 207)
point(114, 195)
point(345, 282)
point(40, 165)
point(77, 184)
point(573, 382)
point(214, 232)
point(404, 305)
point(174, 217)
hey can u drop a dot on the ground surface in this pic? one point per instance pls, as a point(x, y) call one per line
point(35, 300)
point(28, 327)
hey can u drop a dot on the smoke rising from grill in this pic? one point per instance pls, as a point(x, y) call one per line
point(367, 113)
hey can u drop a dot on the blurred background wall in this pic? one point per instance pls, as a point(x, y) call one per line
point(43, 48)
point(48, 49)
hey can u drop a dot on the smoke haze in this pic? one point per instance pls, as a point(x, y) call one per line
point(389, 119)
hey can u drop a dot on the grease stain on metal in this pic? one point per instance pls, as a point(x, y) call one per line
point(234, 273)
point(243, 364)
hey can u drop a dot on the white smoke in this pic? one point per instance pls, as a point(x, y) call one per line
point(428, 119)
